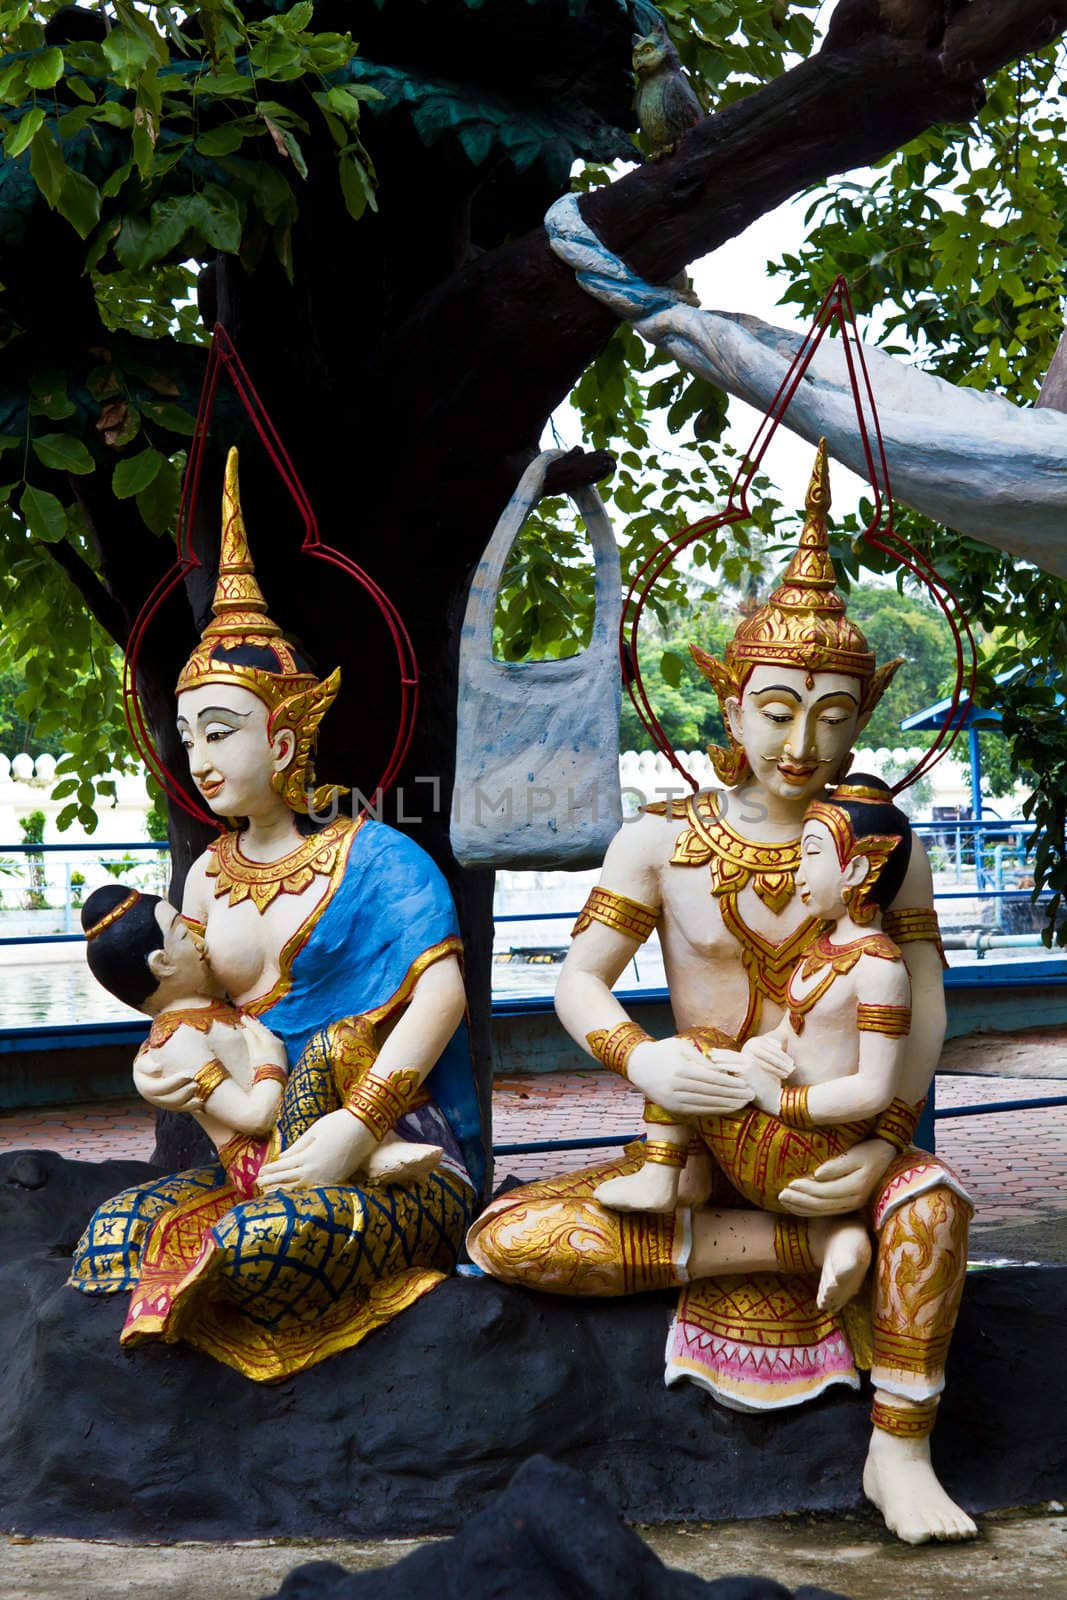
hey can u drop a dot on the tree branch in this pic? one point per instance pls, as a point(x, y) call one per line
point(100, 601)
point(889, 71)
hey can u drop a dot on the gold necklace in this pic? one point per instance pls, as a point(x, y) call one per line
point(263, 881)
point(166, 1025)
point(734, 860)
point(841, 958)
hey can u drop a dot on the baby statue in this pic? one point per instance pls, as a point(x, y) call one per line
point(145, 953)
point(834, 1061)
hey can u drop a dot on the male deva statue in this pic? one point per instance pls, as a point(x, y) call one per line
point(715, 875)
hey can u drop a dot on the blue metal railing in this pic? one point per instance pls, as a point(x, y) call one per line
point(514, 1005)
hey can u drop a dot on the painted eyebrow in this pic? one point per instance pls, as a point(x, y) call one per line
point(221, 711)
point(213, 711)
point(838, 694)
point(779, 688)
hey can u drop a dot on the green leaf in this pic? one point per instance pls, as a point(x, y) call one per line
point(79, 202)
point(356, 187)
point(10, 441)
point(136, 473)
point(49, 398)
point(13, 83)
point(671, 666)
point(225, 140)
point(46, 68)
point(174, 418)
point(47, 165)
point(23, 131)
point(63, 452)
point(45, 517)
point(158, 504)
point(128, 54)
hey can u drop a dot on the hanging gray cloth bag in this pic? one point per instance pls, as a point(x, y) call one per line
point(537, 745)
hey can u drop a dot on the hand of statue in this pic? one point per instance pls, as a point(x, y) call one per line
point(331, 1150)
point(265, 1047)
point(767, 1053)
point(170, 1091)
point(766, 1086)
point(844, 1183)
point(674, 1074)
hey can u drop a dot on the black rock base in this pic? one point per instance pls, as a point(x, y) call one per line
point(549, 1536)
point(420, 1426)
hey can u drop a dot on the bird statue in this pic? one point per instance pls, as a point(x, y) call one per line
point(666, 102)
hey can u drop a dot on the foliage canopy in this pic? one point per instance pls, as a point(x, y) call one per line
point(159, 138)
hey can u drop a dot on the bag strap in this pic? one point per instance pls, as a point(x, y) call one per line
point(485, 586)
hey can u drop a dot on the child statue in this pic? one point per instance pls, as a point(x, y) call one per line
point(834, 1062)
point(145, 953)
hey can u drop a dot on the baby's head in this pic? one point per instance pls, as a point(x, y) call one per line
point(142, 950)
point(854, 851)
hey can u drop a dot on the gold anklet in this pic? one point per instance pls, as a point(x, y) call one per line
point(914, 1423)
point(661, 1153)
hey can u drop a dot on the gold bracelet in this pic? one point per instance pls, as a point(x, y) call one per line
point(618, 911)
point(664, 1154)
point(660, 1118)
point(207, 1080)
point(898, 1123)
point(379, 1102)
point(793, 1110)
point(613, 1047)
point(914, 1423)
point(269, 1072)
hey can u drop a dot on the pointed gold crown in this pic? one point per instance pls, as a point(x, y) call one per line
point(803, 624)
point(242, 646)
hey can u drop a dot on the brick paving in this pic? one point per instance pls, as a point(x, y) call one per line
point(1014, 1164)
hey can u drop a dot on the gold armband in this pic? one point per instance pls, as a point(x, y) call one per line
point(913, 1423)
point(613, 1047)
point(664, 1154)
point(379, 1102)
point(269, 1072)
point(898, 1123)
point(793, 1110)
point(616, 911)
point(894, 1021)
point(917, 925)
point(207, 1080)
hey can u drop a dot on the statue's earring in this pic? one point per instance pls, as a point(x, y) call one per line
point(861, 911)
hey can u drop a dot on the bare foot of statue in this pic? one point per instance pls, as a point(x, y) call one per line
point(653, 1188)
point(694, 1184)
point(398, 1161)
point(900, 1481)
point(847, 1255)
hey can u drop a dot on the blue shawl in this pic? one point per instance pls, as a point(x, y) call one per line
point(391, 907)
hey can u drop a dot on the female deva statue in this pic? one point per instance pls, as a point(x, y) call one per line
point(716, 875)
point(343, 940)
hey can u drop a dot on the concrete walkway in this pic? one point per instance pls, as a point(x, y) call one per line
point(1016, 1556)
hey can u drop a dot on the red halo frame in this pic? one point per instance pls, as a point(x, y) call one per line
point(224, 359)
point(880, 534)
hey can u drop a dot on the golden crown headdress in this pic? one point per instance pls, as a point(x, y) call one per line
point(804, 624)
point(295, 698)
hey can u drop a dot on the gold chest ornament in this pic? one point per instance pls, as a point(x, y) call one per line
point(263, 881)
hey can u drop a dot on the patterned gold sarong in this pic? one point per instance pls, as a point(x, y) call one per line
point(272, 1284)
